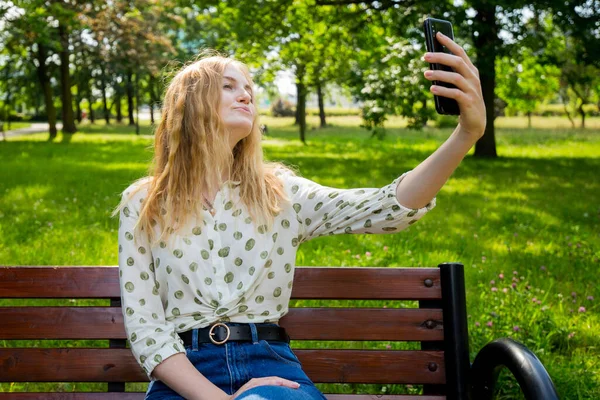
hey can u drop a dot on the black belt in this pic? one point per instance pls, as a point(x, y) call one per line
point(220, 333)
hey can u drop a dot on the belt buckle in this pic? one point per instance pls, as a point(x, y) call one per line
point(211, 333)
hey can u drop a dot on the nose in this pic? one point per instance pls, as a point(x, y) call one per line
point(244, 97)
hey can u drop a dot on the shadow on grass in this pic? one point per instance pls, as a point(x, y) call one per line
point(66, 138)
point(495, 197)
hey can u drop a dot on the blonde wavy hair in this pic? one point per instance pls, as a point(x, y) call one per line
point(191, 149)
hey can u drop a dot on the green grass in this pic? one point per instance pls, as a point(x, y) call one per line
point(16, 125)
point(534, 210)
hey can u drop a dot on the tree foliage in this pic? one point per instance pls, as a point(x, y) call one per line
point(524, 83)
point(113, 57)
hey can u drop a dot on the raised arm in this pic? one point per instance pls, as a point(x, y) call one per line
point(425, 181)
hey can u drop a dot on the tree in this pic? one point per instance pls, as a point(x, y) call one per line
point(64, 15)
point(307, 41)
point(523, 82)
point(387, 80)
point(579, 74)
point(28, 27)
point(482, 30)
point(18, 82)
point(135, 44)
point(332, 44)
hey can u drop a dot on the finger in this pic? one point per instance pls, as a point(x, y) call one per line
point(277, 381)
point(454, 48)
point(458, 51)
point(450, 77)
point(271, 380)
point(457, 63)
point(451, 93)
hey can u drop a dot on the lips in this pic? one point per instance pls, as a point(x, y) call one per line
point(246, 109)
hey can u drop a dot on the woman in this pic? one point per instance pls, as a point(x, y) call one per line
point(207, 242)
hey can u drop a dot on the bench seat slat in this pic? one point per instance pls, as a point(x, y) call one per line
point(22, 323)
point(140, 396)
point(309, 283)
point(118, 365)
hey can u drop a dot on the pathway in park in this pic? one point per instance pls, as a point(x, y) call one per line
point(35, 127)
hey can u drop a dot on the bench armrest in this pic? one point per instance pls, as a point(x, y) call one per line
point(524, 365)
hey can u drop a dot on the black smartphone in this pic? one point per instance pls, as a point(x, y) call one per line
point(443, 105)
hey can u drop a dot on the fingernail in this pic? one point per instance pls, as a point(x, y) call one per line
point(441, 34)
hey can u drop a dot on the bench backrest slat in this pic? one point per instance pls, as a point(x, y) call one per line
point(301, 323)
point(309, 283)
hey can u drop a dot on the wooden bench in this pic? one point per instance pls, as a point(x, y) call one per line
point(440, 363)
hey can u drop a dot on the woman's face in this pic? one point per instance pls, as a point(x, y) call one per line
point(237, 107)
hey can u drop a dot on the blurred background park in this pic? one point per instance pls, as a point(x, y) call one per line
point(341, 90)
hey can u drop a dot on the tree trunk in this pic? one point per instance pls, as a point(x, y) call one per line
point(130, 95)
point(569, 116)
point(137, 103)
point(37, 104)
point(118, 103)
point(583, 99)
point(42, 73)
point(91, 101)
point(485, 43)
point(297, 113)
point(104, 99)
point(529, 119)
point(78, 106)
point(564, 98)
point(92, 114)
point(7, 116)
point(80, 92)
point(582, 113)
point(7, 98)
point(151, 83)
point(321, 106)
point(301, 104)
point(65, 80)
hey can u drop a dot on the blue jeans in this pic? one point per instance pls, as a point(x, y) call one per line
point(231, 365)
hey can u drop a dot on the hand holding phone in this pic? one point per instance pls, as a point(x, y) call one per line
point(443, 105)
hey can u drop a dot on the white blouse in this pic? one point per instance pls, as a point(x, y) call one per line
point(228, 269)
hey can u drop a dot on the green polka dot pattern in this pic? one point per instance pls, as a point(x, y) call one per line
point(228, 267)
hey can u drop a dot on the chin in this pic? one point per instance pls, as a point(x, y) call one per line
point(240, 132)
point(240, 126)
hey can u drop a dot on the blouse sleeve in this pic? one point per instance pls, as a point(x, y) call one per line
point(328, 211)
point(152, 339)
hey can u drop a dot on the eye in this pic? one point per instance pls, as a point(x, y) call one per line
point(228, 86)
